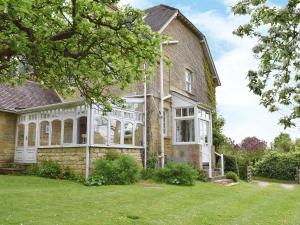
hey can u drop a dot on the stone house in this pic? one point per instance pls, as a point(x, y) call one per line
point(170, 115)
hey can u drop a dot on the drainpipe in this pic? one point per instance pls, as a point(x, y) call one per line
point(162, 141)
point(88, 143)
point(145, 119)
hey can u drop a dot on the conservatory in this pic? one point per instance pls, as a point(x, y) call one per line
point(75, 124)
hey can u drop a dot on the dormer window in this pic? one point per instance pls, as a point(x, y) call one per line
point(188, 80)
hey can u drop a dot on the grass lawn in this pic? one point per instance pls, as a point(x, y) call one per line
point(38, 201)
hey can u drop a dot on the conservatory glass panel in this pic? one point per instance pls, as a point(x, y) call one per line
point(68, 131)
point(185, 131)
point(56, 132)
point(44, 133)
point(100, 130)
point(21, 135)
point(31, 134)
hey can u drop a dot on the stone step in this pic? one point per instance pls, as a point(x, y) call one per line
point(11, 171)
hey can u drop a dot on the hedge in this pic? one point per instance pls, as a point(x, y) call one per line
point(278, 165)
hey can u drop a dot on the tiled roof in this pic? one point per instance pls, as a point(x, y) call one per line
point(28, 95)
point(158, 16)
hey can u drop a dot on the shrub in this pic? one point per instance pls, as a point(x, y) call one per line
point(95, 181)
point(202, 176)
point(121, 170)
point(230, 164)
point(68, 174)
point(152, 161)
point(278, 165)
point(50, 169)
point(179, 174)
point(233, 176)
point(33, 170)
point(148, 174)
point(242, 168)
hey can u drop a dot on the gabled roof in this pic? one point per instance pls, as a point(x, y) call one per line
point(160, 16)
point(28, 95)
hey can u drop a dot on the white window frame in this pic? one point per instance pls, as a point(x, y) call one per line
point(181, 117)
point(188, 80)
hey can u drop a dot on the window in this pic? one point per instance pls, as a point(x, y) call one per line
point(185, 131)
point(115, 132)
point(139, 131)
point(31, 134)
point(204, 131)
point(128, 134)
point(165, 124)
point(81, 130)
point(44, 133)
point(185, 125)
point(100, 130)
point(56, 132)
point(185, 112)
point(68, 131)
point(188, 80)
point(21, 134)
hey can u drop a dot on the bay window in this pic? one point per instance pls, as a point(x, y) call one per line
point(184, 125)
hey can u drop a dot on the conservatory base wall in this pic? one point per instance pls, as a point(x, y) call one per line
point(74, 158)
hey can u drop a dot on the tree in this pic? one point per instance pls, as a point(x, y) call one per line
point(277, 80)
point(297, 144)
point(253, 148)
point(68, 45)
point(283, 143)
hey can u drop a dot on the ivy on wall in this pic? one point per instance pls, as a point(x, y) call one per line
point(217, 121)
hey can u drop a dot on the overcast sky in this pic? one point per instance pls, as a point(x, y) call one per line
point(233, 58)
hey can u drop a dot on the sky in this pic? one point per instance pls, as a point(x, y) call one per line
point(233, 58)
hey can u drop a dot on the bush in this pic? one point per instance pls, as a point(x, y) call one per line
point(233, 176)
point(148, 174)
point(152, 161)
point(121, 170)
point(242, 167)
point(50, 169)
point(278, 165)
point(95, 181)
point(33, 170)
point(202, 176)
point(230, 164)
point(68, 174)
point(179, 174)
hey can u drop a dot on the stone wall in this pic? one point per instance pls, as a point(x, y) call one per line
point(74, 158)
point(187, 153)
point(7, 138)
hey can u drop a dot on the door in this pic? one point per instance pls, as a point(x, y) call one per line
point(204, 140)
point(26, 143)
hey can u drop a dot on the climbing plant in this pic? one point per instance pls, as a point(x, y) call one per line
point(217, 121)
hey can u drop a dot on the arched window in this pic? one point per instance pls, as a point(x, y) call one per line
point(81, 130)
point(21, 135)
point(56, 132)
point(139, 131)
point(44, 133)
point(31, 134)
point(68, 131)
point(115, 132)
point(128, 134)
point(100, 130)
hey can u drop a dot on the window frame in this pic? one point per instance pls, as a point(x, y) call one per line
point(192, 117)
point(188, 80)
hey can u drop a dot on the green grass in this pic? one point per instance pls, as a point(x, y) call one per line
point(38, 201)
